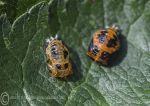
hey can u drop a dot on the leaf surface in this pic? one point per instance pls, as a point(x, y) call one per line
point(24, 74)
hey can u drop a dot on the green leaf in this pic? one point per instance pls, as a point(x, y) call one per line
point(9, 7)
point(24, 74)
point(23, 5)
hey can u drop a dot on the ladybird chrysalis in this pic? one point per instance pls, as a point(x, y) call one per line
point(58, 59)
point(104, 43)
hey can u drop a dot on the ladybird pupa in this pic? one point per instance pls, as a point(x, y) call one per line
point(58, 60)
point(104, 43)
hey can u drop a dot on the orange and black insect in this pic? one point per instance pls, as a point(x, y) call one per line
point(58, 58)
point(104, 43)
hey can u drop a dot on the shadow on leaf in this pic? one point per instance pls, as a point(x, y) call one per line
point(118, 56)
point(76, 67)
